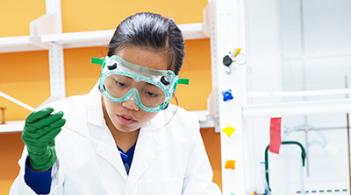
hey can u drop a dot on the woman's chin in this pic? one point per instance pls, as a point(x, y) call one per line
point(126, 128)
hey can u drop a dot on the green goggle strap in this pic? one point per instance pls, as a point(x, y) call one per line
point(99, 61)
point(183, 81)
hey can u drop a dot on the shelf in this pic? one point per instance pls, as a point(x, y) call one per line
point(79, 39)
point(82, 39)
point(205, 120)
point(102, 37)
point(194, 31)
point(11, 126)
point(17, 126)
point(17, 44)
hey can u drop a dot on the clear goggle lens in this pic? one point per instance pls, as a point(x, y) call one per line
point(118, 86)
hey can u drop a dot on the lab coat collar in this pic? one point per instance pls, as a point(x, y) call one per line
point(95, 113)
point(101, 136)
point(147, 148)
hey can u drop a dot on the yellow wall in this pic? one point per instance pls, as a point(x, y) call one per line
point(25, 75)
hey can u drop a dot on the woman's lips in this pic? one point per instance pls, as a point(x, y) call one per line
point(125, 120)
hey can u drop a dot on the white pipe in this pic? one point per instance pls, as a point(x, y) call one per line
point(298, 108)
point(256, 94)
point(330, 56)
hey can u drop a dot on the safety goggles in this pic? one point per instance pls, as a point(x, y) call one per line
point(151, 89)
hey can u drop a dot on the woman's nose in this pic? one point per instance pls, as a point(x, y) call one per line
point(130, 104)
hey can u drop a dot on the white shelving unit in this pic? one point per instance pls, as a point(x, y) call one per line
point(46, 34)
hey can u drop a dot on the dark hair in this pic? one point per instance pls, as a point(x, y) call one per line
point(151, 30)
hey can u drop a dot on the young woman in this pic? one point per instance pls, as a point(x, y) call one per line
point(123, 137)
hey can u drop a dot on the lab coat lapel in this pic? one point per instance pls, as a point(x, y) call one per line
point(101, 136)
point(111, 155)
point(147, 149)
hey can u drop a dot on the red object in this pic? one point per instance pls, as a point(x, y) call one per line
point(275, 135)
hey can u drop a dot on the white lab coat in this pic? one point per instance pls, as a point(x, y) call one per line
point(167, 161)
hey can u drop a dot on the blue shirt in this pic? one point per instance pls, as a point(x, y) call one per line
point(40, 181)
point(127, 157)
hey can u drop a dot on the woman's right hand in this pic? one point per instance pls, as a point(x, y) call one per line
point(40, 129)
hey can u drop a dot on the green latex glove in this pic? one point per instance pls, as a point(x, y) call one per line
point(40, 129)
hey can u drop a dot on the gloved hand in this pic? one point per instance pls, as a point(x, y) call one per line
point(40, 130)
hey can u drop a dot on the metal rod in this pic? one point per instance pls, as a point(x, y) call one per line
point(348, 133)
point(307, 145)
point(321, 129)
point(348, 145)
point(304, 80)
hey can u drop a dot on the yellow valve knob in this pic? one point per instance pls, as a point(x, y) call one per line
point(229, 130)
point(237, 52)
